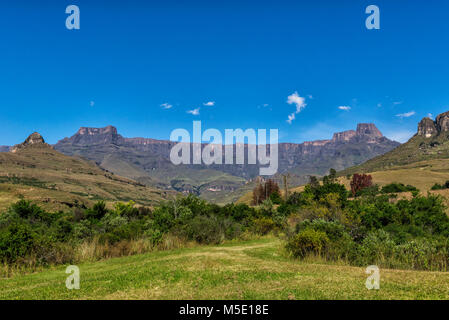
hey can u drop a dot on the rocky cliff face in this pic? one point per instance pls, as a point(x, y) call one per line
point(33, 140)
point(429, 128)
point(94, 136)
point(368, 130)
point(344, 136)
point(152, 157)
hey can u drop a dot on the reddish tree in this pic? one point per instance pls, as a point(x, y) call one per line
point(263, 191)
point(360, 181)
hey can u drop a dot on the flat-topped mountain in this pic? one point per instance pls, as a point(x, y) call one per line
point(148, 160)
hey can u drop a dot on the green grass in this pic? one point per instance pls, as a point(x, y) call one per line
point(238, 270)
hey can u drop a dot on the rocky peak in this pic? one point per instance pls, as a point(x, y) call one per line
point(428, 128)
point(368, 129)
point(34, 139)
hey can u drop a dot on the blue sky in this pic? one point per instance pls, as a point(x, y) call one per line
point(132, 59)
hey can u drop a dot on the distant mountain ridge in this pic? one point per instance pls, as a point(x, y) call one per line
point(147, 160)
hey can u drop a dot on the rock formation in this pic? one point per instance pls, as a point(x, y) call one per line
point(33, 140)
point(428, 128)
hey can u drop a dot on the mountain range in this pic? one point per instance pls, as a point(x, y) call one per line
point(148, 160)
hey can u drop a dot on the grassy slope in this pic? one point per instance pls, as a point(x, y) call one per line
point(54, 180)
point(244, 270)
point(417, 149)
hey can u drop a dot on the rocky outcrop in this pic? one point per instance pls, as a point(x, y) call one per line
point(33, 140)
point(428, 128)
point(4, 148)
point(94, 136)
point(368, 130)
point(344, 136)
point(442, 122)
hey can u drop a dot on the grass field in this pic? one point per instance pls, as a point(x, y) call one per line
point(241, 270)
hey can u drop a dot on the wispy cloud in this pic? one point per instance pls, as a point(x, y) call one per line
point(291, 117)
point(166, 105)
point(397, 103)
point(209, 104)
point(406, 115)
point(299, 102)
point(379, 105)
point(345, 108)
point(430, 115)
point(92, 103)
point(194, 112)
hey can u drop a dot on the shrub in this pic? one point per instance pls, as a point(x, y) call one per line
point(398, 187)
point(98, 211)
point(26, 210)
point(205, 230)
point(306, 242)
point(16, 241)
point(263, 226)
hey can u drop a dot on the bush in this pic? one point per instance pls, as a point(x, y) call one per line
point(26, 210)
point(307, 242)
point(205, 230)
point(16, 242)
point(398, 187)
point(98, 211)
point(263, 226)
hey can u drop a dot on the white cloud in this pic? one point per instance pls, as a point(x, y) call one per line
point(406, 115)
point(345, 108)
point(92, 103)
point(379, 105)
point(397, 103)
point(291, 117)
point(209, 104)
point(194, 112)
point(299, 102)
point(166, 105)
point(430, 115)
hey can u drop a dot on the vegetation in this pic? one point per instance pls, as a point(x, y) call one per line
point(253, 270)
point(438, 186)
point(268, 190)
point(31, 236)
point(360, 182)
point(371, 229)
point(321, 221)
